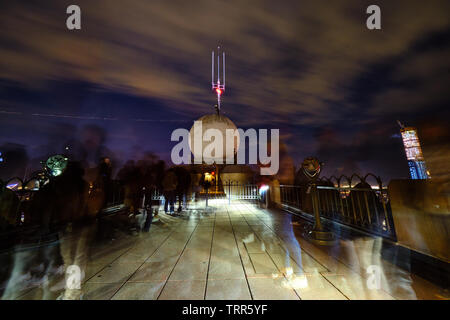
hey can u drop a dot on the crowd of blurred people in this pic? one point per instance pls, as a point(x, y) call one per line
point(57, 223)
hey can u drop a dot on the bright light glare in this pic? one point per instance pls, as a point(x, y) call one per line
point(299, 282)
point(263, 189)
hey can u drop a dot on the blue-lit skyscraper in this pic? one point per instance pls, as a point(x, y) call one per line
point(416, 162)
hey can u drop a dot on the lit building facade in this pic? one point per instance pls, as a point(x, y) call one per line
point(416, 162)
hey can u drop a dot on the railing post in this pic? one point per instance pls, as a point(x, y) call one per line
point(318, 234)
point(386, 216)
point(266, 194)
point(367, 209)
point(229, 192)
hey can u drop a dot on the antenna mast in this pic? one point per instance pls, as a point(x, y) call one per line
point(217, 86)
point(400, 124)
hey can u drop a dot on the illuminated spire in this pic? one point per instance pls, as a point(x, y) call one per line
point(217, 86)
point(414, 155)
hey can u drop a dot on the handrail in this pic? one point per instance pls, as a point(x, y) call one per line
point(367, 209)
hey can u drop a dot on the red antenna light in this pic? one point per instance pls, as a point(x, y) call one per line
point(217, 85)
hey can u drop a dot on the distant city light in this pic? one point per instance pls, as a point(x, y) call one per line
point(56, 172)
point(416, 161)
point(14, 185)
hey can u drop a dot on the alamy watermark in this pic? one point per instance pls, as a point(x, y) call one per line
point(210, 146)
point(73, 21)
point(373, 22)
point(374, 277)
point(73, 277)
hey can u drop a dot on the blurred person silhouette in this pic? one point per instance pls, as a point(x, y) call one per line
point(9, 208)
point(65, 219)
point(363, 254)
point(169, 185)
point(293, 256)
point(27, 254)
point(151, 174)
point(183, 186)
point(129, 176)
point(9, 213)
point(158, 171)
point(104, 179)
point(74, 216)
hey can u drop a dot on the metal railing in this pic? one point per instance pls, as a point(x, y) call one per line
point(229, 190)
point(238, 191)
point(358, 205)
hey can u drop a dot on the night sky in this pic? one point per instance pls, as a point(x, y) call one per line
point(139, 69)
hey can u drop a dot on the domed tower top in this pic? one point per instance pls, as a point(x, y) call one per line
point(213, 121)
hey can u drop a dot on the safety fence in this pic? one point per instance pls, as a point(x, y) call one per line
point(357, 204)
point(228, 191)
